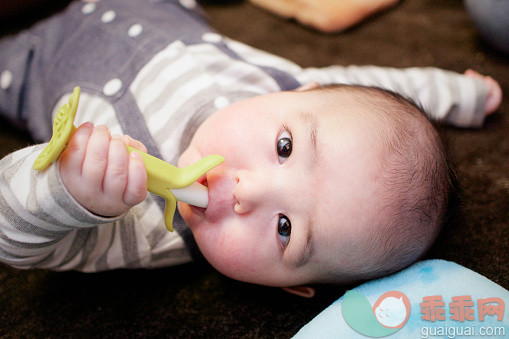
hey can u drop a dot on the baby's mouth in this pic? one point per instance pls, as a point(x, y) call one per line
point(203, 180)
point(220, 188)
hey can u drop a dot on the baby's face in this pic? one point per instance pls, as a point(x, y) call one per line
point(294, 198)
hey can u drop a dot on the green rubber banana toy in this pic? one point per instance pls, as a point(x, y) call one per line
point(163, 179)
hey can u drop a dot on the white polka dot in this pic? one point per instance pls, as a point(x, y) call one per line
point(5, 79)
point(135, 30)
point(108, 16)
point(189, 4)
point(112, 87)
point(221, 102)
point(88, 8)
point(211, 37)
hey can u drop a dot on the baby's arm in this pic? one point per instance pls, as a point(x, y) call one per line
point(456, 99)
point(99, 173)
point(326, 15)
point(41, 225)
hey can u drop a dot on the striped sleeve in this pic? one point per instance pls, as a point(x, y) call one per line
point(445, 96)
point(42, 226)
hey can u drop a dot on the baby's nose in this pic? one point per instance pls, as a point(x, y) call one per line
point(252, 190)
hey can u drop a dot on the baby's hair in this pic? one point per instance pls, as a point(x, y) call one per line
point(415, 176)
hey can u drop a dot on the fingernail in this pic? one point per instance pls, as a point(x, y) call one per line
point(116, 137)
point(85, 128)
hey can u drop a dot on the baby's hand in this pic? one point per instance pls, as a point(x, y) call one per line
point(100, 174)
point(494, 96)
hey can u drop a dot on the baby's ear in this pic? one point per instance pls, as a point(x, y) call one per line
point(308, 86)
point(301, 291)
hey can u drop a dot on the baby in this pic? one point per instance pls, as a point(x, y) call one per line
point(322, 183)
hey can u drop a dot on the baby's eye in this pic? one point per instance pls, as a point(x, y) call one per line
point(284, 146)
point(284, 229)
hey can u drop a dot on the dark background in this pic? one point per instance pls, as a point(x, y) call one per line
point(194, 300)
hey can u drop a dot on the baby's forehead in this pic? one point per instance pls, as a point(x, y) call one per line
point(383, 116)
point(370, 101)
point(371, 147)
point(337, 115)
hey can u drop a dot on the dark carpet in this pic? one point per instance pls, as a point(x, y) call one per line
point(194, 300)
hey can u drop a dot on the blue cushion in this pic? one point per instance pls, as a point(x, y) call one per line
point(423, 279)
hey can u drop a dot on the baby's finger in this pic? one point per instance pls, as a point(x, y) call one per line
point(134, 143)
point(115, 177)
point(71, 160)
point(136, 189)
point(473, 74)
point(494, 97)
point(96, 157)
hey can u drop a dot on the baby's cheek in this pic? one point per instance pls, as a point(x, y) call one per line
point(234, 249)
point(235, 256)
